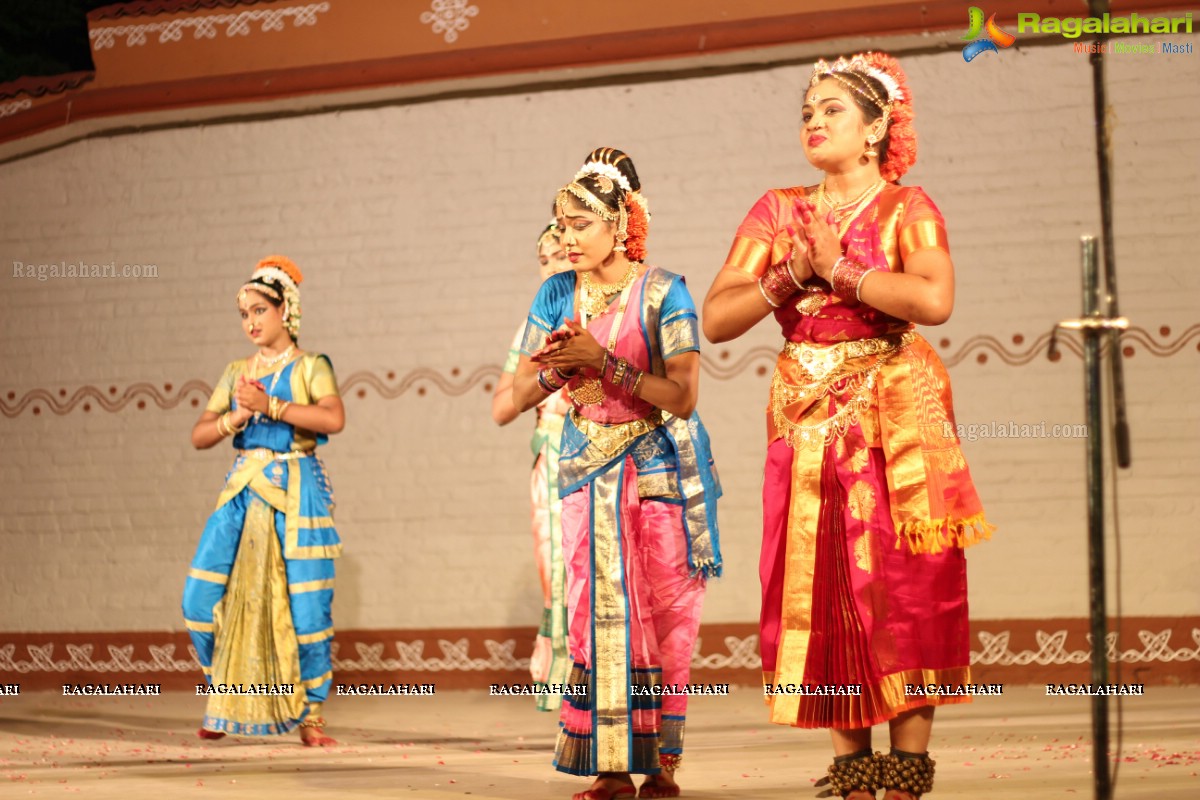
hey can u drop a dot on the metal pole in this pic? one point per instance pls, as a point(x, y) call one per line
point(1095, 515)
point(1098, 9)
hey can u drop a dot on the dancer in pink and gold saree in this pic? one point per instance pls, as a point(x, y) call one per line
point(637, 480)
point(867, 501)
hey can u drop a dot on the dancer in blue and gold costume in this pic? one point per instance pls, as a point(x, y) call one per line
point(258, 594)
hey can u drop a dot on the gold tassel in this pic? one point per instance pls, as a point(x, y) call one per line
point(929, 537)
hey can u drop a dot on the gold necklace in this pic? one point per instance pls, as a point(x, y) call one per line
point(823, 195)
point(590, 391)
point(847, 213)
point(594, 298)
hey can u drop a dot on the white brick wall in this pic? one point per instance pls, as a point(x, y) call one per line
point(414, 225)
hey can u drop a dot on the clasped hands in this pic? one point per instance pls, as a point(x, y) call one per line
point(251, 398)
point(570, 349)
point(816, 245)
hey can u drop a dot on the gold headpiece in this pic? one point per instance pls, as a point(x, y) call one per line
point(583, 195)
point(859, 67)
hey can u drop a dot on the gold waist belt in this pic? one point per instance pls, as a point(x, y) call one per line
point(808, 372)
point(823, 360)
point(611, 439)
point(264, 454)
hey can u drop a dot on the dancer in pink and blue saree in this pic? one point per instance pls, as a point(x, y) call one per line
point(637, 480)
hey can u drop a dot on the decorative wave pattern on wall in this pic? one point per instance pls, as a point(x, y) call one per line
point(722, 367)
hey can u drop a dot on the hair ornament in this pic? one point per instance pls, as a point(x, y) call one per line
point(860, 65)
point(604, 172)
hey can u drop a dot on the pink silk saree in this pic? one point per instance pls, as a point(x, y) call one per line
point(639, 538)
point(867, 500)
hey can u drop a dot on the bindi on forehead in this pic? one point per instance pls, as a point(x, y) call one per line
point(825, 91)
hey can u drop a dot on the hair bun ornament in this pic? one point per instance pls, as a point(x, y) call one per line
point(282, 263)
point(621, 164)
point(604, 171)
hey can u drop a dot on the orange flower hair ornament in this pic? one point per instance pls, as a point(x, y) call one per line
point(281, 271)
point(637, 228)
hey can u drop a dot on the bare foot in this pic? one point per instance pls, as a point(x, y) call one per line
point(661, 785)
point(607, 786)
point(314, 736)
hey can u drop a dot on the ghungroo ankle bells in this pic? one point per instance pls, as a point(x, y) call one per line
point(907, 772)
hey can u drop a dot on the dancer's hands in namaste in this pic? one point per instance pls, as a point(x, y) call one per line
point(251, 396)
point(823, 245)
point(570, 348)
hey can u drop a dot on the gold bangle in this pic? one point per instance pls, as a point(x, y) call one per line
point(221, 426)
point(619, 372)
point(283, 406)
point(636, 383)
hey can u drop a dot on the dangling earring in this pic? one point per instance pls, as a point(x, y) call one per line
point(622, 225)
point(870, 152)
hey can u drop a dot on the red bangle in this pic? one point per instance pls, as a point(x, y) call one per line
point(846, 278)
point(778, 282)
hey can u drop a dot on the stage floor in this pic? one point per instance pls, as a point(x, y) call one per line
point(456, 744)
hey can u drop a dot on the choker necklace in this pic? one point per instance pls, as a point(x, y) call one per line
point(823, 196)
point(594, 297)
point(267, 363)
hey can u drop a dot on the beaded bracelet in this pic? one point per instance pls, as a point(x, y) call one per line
point(846, 277)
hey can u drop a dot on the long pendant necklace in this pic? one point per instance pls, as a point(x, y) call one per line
point(590, 391)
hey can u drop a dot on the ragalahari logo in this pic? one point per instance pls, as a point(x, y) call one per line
point(995, 36)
